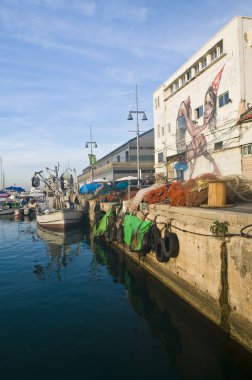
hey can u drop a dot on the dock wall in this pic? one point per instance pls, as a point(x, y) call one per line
point(213, 274)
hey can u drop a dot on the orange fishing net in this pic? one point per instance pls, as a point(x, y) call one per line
point(189, 193)
point(157, 195)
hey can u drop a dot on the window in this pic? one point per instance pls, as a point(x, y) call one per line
point(177, 85)
point(213, 54)
point(199, 112)
point(169, 127)
point(247, 150)
point(160, 157)
point(218, 145)
point(118, 158)
point(188, 75)
point(162, 131)
point(196, 69)
point(181, 122)
point(221, 48)
point(224, 99)
point(204, 62)
point(183, 79)
point(157, 102)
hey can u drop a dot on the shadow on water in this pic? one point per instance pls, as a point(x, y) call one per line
point(199, 350)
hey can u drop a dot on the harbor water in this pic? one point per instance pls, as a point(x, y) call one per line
point(75, 308)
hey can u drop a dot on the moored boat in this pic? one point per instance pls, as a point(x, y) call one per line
point(59, 220)
point(59, 212)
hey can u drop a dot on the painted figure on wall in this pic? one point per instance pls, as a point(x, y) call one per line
point(198, 145)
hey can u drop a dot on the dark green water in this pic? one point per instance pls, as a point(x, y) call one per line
point(80, 310)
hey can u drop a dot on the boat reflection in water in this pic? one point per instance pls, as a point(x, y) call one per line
point(61, 246)
point(196, 348)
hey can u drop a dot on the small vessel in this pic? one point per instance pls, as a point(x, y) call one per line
point(59, 220)
point(60, 212)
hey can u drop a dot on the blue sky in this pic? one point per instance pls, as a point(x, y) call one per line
point(69, 64)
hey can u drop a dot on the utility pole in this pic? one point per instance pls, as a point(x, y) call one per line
point(1, 165)
point(130, 117)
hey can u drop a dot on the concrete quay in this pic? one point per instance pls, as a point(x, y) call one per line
point(213, 274)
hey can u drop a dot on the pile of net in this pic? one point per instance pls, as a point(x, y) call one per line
point(191, 193)
point(143, 193)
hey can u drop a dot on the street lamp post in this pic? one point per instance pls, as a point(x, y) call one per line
point(130, 117)
point(91, 159)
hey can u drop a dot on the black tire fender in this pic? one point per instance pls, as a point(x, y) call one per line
point(160, 251)
point(113, 234)
point(155, 235)
point(120, 233)
point(146, 244)
point(171, 244)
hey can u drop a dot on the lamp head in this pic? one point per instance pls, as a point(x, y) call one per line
point(86, 146)
point(144, 117)
point(95, 145)
point(130, 116)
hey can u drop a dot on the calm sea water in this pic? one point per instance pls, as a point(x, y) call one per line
point(76, 309)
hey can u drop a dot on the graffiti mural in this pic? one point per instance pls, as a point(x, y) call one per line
point(198, 145)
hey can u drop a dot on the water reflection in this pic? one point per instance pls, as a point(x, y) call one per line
point(197, 348)
point(61, 247)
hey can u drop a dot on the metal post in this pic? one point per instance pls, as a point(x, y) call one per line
point(137, 133)
point(137, 136)
point(91, 142)
point(1, 164)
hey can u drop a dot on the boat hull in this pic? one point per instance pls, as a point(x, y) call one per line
point(60, 220)
point(6, 211)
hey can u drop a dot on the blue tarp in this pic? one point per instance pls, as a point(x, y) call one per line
point(15, 188)
point(122, 185)
point(89, 188)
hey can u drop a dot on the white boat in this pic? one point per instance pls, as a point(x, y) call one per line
point(58, 212)
point(60, 220)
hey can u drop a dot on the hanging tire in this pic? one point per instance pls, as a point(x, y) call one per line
point(171, 244)
point(120, 234)
point(146, 246)
point(155, 235)
point(160, 251)
point(113, 234)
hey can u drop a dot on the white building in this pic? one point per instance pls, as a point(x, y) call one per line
point(122, 161)
point(203, 112)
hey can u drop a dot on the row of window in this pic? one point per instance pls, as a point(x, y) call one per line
point(142, 148)
point(214, 53)
point(133, 171)
point(246, 150)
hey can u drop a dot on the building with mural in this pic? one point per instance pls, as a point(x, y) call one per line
point(203, 112)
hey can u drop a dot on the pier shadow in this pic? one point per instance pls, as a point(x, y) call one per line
point(196, 347)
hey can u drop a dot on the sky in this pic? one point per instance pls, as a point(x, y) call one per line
point(66, 65)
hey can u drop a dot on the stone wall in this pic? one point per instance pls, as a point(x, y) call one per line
point(212, 274)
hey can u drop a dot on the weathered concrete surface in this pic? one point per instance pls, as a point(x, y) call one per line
point(212, 274)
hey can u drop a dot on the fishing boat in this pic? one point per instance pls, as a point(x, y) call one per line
point(59, 220)
point(59, 212)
